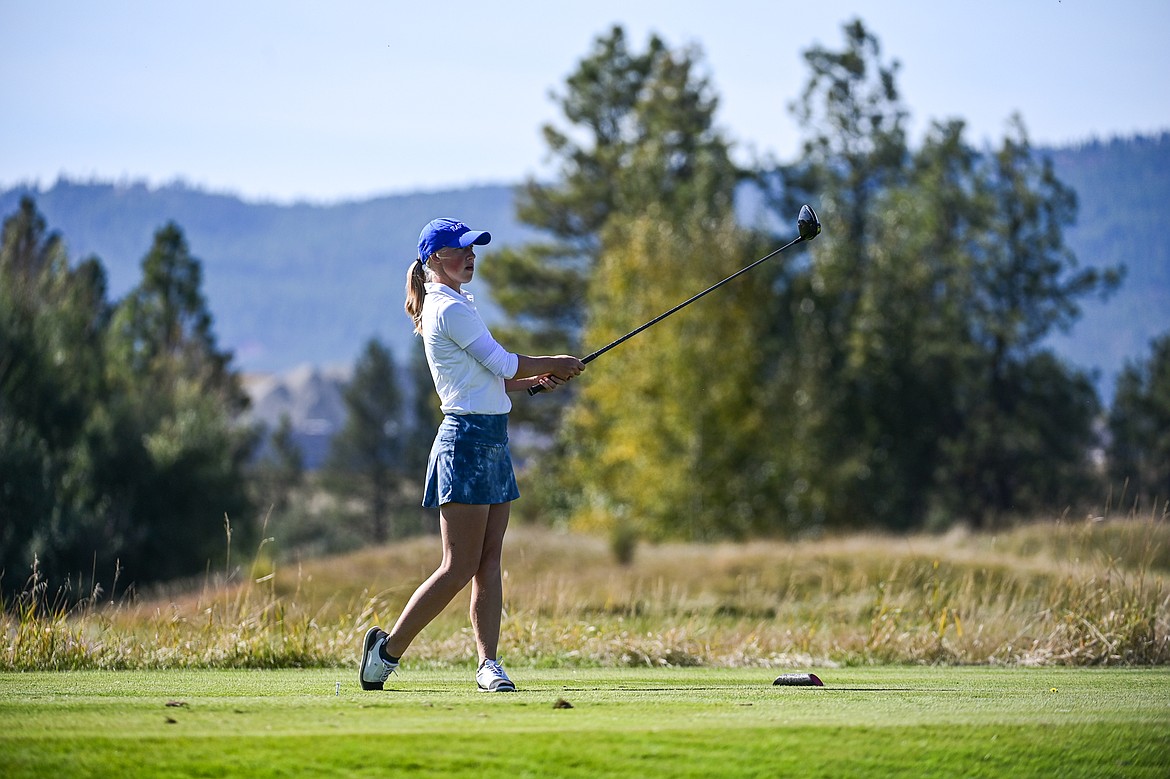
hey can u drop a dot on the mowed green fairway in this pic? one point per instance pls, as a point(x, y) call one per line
point(910, 721)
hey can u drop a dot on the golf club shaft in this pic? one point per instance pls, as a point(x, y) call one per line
point(590, 358)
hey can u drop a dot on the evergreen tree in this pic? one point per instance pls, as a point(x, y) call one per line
point(1139, 427)
point(107, 464)
point(51, 321)
point(425, 415)
point(641, 134)
point(422, 423)
point(31, 259)
point(639, 219)
point(164, 326)
point(910, 358)
point(908, 333)
point(1025, 416)
point(175, 456)
point(830, 455)
point(283, 469)
point(366, 457)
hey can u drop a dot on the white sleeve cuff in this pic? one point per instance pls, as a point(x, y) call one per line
point(493, 356)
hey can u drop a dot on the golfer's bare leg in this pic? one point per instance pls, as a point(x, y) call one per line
point(463, 530)
point(487, 587)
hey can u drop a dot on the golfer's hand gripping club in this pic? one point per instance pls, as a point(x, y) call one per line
point(536, 388)
point(808, 227)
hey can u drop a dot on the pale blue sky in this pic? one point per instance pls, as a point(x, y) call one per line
point(325, 101)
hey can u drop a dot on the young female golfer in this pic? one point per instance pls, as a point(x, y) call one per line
point(469, 477)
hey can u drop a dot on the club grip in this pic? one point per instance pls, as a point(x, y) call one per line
point(536, 389)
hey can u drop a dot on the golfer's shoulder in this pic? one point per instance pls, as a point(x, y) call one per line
point(453, 308)
point(453, 315)
point(440, 300)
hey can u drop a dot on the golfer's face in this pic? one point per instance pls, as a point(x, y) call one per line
point(456, 266)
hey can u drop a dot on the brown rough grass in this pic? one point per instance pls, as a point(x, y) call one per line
point(1052, 593)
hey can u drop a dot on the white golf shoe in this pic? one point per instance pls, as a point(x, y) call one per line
point(491, 678)
point(374, 671)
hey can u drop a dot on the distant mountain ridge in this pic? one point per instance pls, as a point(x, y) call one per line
point(1123, 190)
point(287, 284)
point(299, 284)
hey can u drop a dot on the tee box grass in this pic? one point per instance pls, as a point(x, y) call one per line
point(873, 721)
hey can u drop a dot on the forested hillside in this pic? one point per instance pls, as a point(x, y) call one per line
point(1123, 186)
point(307, 283)
point(288, 284)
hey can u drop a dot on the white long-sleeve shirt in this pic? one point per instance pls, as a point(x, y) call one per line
point(467, 365)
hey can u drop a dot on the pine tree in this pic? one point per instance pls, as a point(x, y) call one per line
point(828, 454)
point(909, 355)
point(1026, 418)
point(366, 458)
point(282, 471)
point(422, 422)
point(641, 217)
point(1139, 427)
point(641, 135)
point(119, 447)
point(176, 458)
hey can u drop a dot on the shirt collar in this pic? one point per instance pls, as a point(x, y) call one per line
point(443, 289)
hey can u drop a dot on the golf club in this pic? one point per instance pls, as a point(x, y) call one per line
point(807, 227)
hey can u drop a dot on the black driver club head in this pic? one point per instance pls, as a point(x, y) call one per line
point(807, 223)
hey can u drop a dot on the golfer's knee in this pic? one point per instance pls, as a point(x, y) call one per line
point(458, 574)
point(490, 561)
point(488, 577)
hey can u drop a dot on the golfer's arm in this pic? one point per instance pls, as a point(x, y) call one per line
point(520, 385)
point(529, 367)
point(529, 371)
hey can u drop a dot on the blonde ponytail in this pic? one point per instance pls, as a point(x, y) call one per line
point(416, 290)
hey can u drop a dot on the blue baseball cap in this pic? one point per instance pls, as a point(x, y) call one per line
point(442, 233)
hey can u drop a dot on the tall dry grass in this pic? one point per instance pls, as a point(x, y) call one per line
point(1053, 593)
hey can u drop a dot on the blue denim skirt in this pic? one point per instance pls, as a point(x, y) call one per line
point(470, 462)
